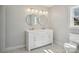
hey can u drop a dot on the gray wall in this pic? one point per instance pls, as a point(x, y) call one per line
point(2, 27)
point(15, 19)
point(59, 16)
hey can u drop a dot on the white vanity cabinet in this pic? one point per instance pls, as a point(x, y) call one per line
point(38, 38)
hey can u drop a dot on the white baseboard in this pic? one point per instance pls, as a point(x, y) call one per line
point(13, 48)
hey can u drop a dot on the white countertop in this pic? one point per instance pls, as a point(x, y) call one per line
point(31, 30)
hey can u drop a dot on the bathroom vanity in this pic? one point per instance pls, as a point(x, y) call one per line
point(38, 33)
point(38, 37)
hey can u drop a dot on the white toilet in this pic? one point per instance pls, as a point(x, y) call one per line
point(70, 47)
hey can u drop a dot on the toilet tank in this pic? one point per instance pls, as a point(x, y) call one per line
point(74, 37)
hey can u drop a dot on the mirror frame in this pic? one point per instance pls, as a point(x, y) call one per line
point(34, 20)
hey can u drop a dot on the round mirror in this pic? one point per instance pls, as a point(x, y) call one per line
point(32, 19)
point(43, 20)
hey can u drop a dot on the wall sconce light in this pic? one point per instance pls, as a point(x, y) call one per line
point(40, 12)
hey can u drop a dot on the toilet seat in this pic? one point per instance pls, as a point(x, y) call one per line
point(70, 47)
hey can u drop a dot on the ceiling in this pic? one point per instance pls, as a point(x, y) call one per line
point(47, 5)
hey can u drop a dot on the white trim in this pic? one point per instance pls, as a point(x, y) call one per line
point(13, 48)
point(71, 16)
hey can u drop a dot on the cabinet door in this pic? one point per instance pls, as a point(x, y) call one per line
point(50, 33)
point(42, 38)
point(31, 40)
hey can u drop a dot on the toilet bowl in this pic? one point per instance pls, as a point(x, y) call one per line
point(70, 47)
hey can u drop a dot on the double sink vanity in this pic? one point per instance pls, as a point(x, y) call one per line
point(38, 37)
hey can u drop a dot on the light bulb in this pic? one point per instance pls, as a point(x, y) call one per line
point(40, 12)
point(28, 10)
point(46, 12)
point(32, 10)
point(36, 11)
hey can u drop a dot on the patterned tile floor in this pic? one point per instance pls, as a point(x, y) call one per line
point(54, 49)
